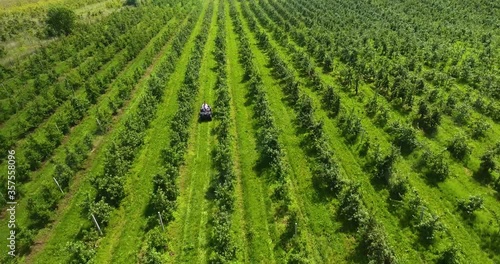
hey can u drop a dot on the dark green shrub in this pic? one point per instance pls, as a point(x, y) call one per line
point(404, 137)
point(63, 175)
point(372, 106)
point(470, 205)
point(351, 126)
point(428, 227)
point(378, 249)
point(437, 166)
point(461, 114)
point(327, 63)
point(384, 166)
point(487, 166)
point(109, 188)
point(459, 148)
point(60, 21)
point(383, 116)
point(428, 119)
point(305, 111)
point(80, 252)
point(398, 188)
point(452, 255)
point(331, 100)
point(352, 208)
point(479, 128)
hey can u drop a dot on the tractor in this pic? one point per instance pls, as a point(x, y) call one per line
point(205, 112)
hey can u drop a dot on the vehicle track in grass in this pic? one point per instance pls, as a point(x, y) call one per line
point(188, 231)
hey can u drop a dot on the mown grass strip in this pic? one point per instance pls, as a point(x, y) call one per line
point(299, 167)
point(166, 190)
point(255, 239)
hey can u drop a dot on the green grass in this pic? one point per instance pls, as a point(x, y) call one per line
point(77, 133)
point(317, 216)
point(124, 239)
point(27, 41)
point(256, 227)
point(188, 231)
point(251, 220)
point(450, 189)
point(68, 220)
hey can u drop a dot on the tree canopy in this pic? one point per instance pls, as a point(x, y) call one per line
point(60, 21)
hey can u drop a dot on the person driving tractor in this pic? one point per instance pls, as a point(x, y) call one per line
point(205, 107)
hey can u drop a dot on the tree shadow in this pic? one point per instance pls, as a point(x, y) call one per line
point(359, 254)
point(323, 193)
point(483, 177)
point(347, 226)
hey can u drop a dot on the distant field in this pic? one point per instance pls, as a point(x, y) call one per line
point(14, 4)
point(22, 23)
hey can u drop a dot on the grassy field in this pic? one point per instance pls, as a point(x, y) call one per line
point(25, 20)
point(321, 155)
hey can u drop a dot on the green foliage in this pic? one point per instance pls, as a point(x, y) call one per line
point(352, 208)
point(156, 245)
point(377, 246)
point(4, 143)
point(163, 198)
point(452, 255)
point(41, 205)
point(487, 166)
point(459, 148)
point(63, 173)
point(132, 2)
point(384, 166)
point(479, 128)
point(101, 211)
point(383, 116)
point(428, 119)
point(3, 53)
point(372, 106)
point(331, 101)
point(437, 166)
point(404, 137)
point(398, 187)
point(80, 251)
point(25, 239)
point(428, 226)
point(103, 120)
point(305, 111)
point(327, 63)
point(470, 205)
point(496, 186)
point(351, 127)
point(60, 21)
point(224, 250)
point(462, 114)
point(329, 174)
